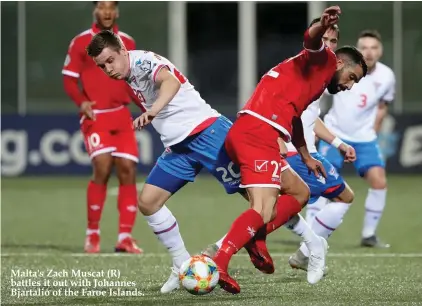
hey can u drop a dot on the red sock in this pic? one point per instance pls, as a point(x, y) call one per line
point(95, 196)
point(127, 208)
point(242, 230)
point(287, 206)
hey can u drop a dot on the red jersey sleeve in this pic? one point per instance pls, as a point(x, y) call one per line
point(317, 52)
point(74, 59)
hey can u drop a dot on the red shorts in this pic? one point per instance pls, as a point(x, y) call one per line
point(252, 144)
point(111, 132)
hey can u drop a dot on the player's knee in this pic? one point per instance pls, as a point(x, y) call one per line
point(267, 214)
point(379, 183)
point(347, 196)
point(126, 171)
point(102, 166)
point(302, 194)
point(101, 175)
point(149, 204)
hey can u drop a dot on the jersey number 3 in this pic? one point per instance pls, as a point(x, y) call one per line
point(363, 100)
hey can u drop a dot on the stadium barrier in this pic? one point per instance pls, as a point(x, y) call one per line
point(53, 145)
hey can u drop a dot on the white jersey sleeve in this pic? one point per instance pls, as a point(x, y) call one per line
point(183, 114)
point(309, 116)
point(390, 87)
point(353, 114)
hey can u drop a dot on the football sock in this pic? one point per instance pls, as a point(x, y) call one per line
point(314, 208)
point(127, 205)
point(241, 231)
point(327, 220)
point(286, 207)
point(299, 226)
point(374, 207)
point(96, 195)
point(165, 227)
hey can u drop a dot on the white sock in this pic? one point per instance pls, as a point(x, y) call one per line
point(164, 226)
point(327, 220)
point(123, 236)
point(91, 231)
point(220, 242)
point(314, 208)
point(374, 207)
point(295, 224)
point(299, 226)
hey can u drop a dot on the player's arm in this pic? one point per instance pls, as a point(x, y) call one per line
point(71, 72)
point(322, 132)
point(381, 114)
point(313, 36)
point(168, 86)
point(298, 140)
point(386, 99)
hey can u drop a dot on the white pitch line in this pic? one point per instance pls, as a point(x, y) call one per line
point(339, 255)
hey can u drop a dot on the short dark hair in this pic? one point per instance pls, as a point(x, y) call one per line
point(354, 56)
point(334, 27)
point(370, 33)
point(96, 2)
point(102, 40)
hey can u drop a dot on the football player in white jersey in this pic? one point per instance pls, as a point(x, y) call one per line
point(192, 132)
point(356, 117)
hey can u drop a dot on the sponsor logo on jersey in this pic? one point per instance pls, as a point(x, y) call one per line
point(261, 165)
point(333, 172)
point(321, 179)
point(144, 65)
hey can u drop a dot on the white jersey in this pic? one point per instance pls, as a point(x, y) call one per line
point(352, 116)
point(183, 114)
point(309, 116)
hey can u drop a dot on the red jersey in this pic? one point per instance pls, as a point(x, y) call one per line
point(287, 89)
point(97, 86)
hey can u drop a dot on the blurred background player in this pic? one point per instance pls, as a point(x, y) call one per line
point(106, 124)
point(356, 117)
point(168, 100)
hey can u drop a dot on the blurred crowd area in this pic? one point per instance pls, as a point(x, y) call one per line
point(212, 44)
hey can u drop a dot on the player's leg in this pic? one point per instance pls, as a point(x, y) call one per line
point(253, 146)
point(326, 221)
point(330, 187)
point(160, 185)
point(99, 145)
point(126, 160)
point(371, 166)
point(333, 156)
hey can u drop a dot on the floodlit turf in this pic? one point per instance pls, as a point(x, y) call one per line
point(43, 227)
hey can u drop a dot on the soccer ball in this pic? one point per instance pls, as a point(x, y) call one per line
point(199, 275)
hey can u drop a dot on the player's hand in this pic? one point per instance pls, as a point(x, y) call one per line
point(143, 120)
point(330, 16)
point(348, 152)
point(282, 146)
point(86, 109)
point(315, 166)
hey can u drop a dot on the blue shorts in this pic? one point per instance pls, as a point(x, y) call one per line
point(180, 163)
point(368, 155)
point(329, 187)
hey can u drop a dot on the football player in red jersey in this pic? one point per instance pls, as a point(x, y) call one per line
point(256, 142)
point(106, 124)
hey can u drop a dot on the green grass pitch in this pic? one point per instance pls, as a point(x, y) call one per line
point(43, 228)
